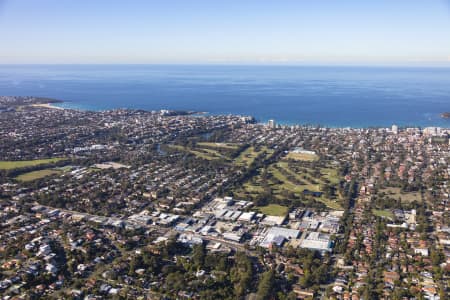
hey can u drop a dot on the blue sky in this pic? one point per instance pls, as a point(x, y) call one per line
point(226, 31)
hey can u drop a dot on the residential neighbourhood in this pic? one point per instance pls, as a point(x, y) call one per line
point(131, 204)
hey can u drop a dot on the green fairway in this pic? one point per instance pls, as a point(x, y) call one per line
point(331, 175)
point(329, 203)
point(207, 154)
point(203, 155)
point(280, 180)
point(305, 177)
point(248, 156)
point(212, 152)
point(9, 165)
point(302, 156)
point(30, 176)
point(218, 145)
point(273, 210)
point(253, 188)
point(288, 185)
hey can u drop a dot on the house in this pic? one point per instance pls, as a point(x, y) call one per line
point(421, 251)
point(50, 268)
point(390, 277)
point(302, 293)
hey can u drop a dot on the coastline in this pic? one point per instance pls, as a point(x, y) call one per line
point(81, 107)
point(430, 120)
point(47, 105)
point(353, 97)
point(439, 120)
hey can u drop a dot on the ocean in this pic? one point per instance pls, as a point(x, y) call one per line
point(327, 96)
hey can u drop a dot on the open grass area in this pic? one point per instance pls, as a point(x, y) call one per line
point(9, 165)
point(327, 175)
point(248, 156)
point(203, 155)
point(288, 185)
point(211, 151)
point(251, 187)
point(405, 197)
point(207, 154)
point(30, 176)
point(383, 213)
point(302, 156)
point(330, 203)
point(273, 210)
point(331, 175)
point(295, 178)
point(311, 183)
point(218, 145)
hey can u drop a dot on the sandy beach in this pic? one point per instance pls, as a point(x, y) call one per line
point(46, 105)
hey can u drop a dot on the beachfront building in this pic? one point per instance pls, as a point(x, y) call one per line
point(271, 124)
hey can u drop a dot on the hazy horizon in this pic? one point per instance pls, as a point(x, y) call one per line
point(247, 64)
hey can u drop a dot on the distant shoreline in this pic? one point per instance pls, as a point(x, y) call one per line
point(355, 97)
point(47, 105)
point(70, 106)
point(436, 119)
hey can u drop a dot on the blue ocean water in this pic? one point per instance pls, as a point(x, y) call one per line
point(330, 96)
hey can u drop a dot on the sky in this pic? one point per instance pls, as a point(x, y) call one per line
point(225, 31)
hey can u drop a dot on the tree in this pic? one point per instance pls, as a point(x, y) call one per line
point(306, 280)
point(266, 286)
point(175, 281)
point(241, 274)
point(198, 255)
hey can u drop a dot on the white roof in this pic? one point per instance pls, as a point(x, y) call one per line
point(274, 220)
point(275, 232)
point(317, 241)
point(247, 216)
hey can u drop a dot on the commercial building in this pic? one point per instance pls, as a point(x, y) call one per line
point(278, 235)
point(317, 241)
